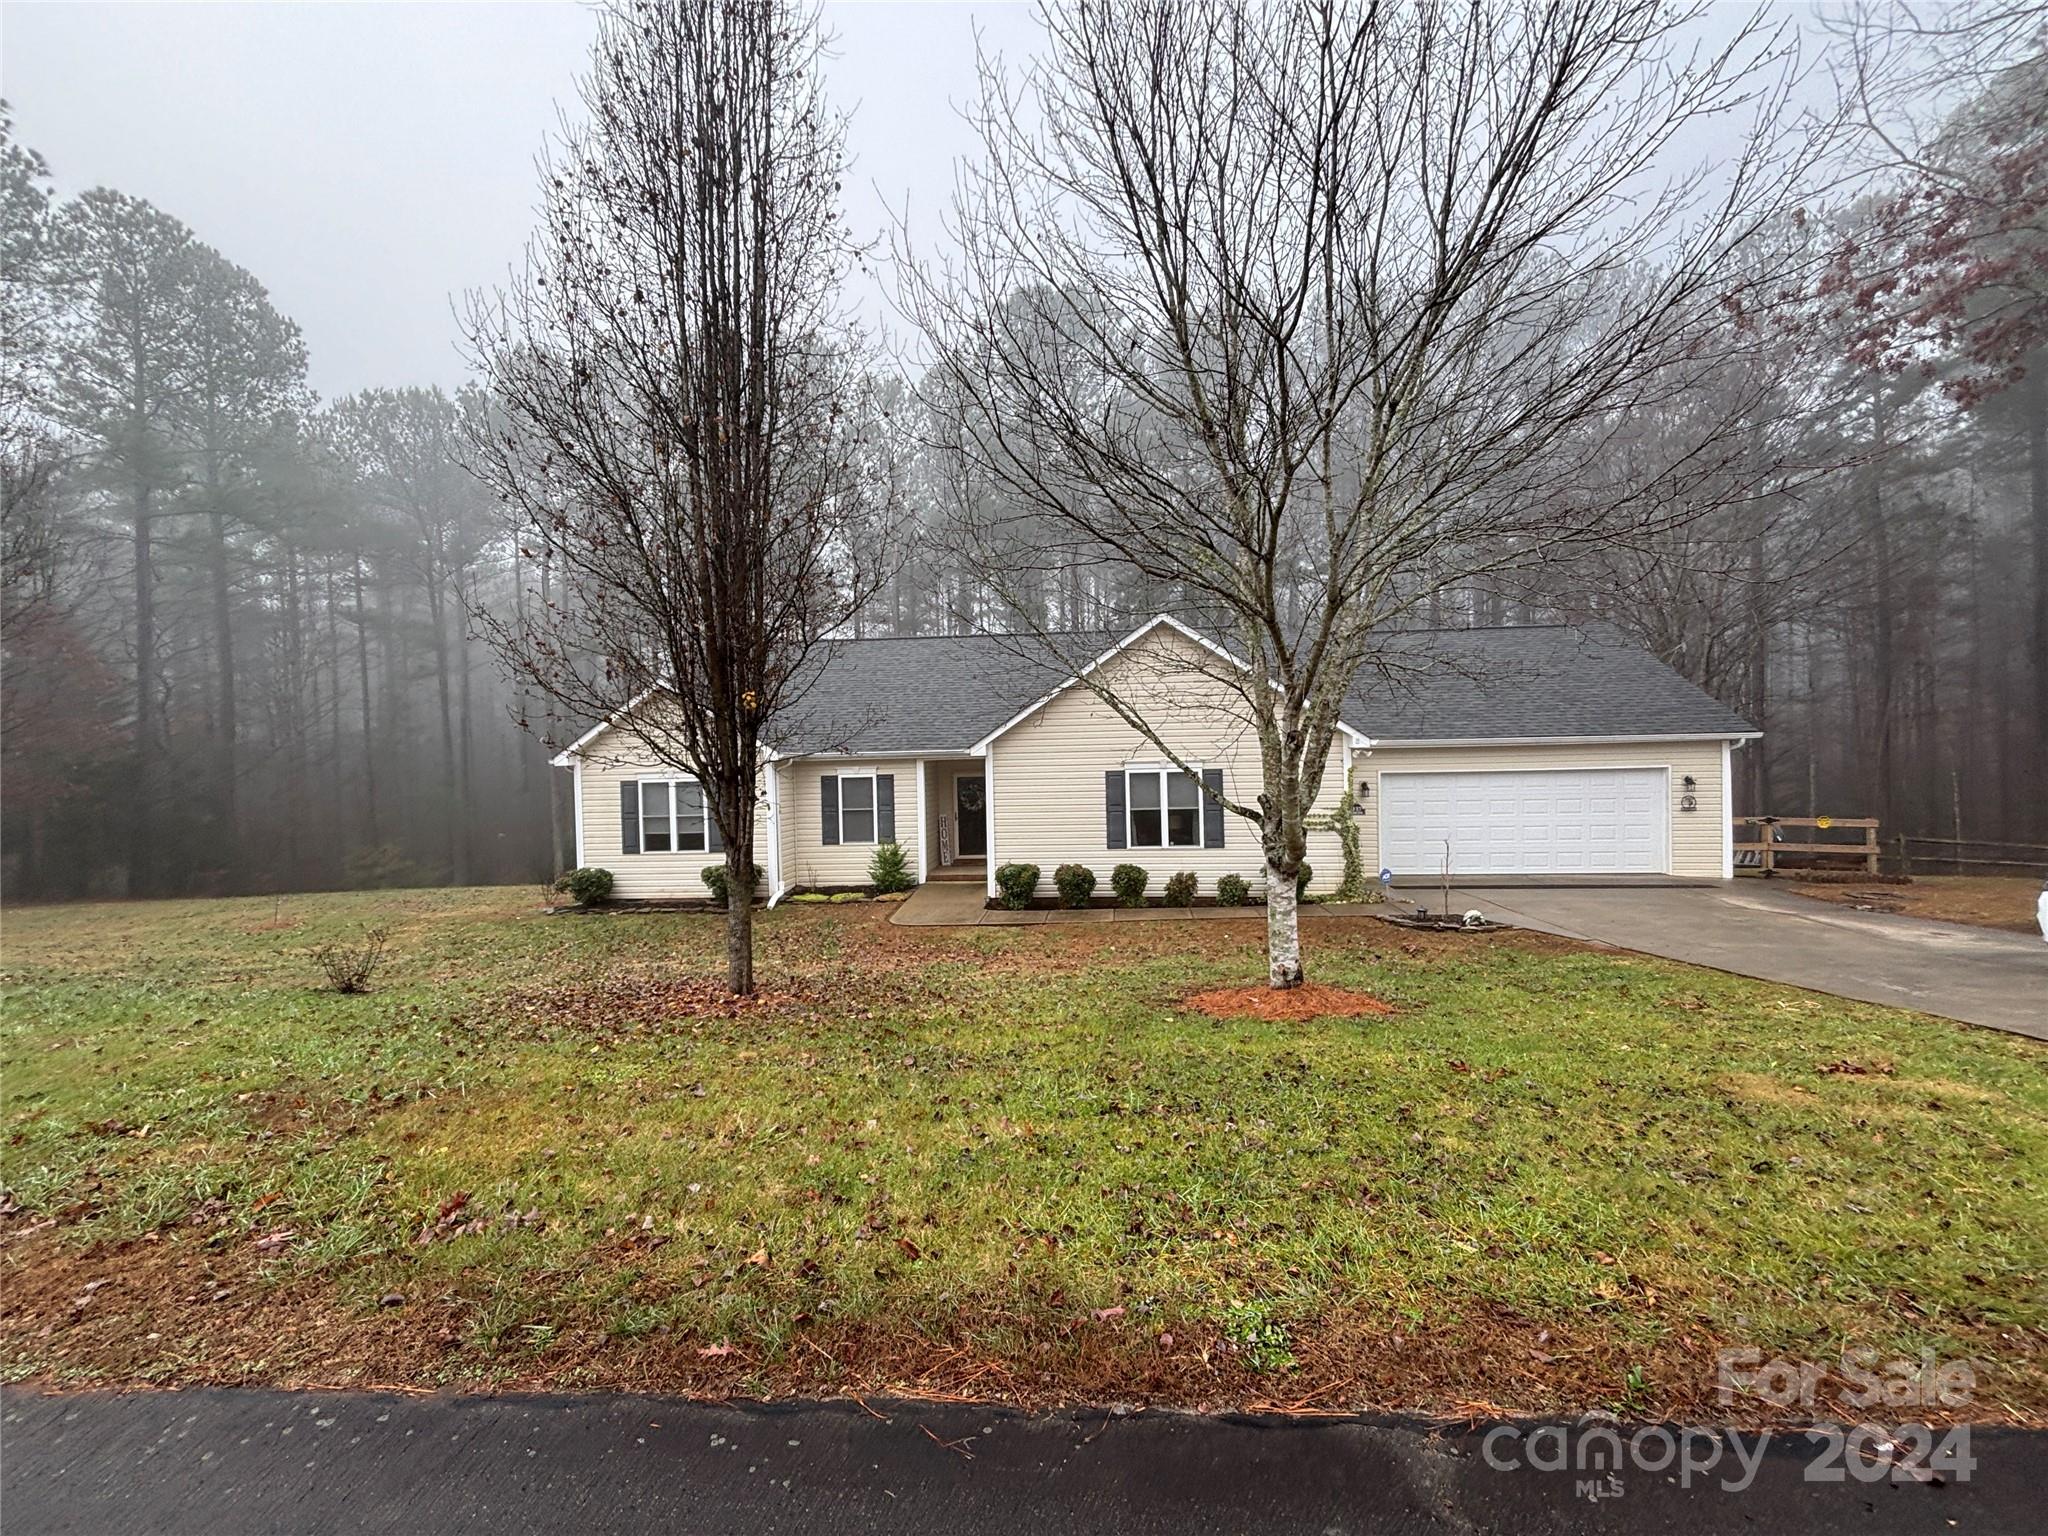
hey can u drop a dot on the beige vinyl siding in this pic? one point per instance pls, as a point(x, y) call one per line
point(1694, 836)
point(610, 759)
point(1046, 788)
point(806, 860)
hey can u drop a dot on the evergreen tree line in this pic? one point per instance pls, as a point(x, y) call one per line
point(239, 652)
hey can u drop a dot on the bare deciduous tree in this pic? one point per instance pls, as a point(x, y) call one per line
point(675, 383)
point(1301, 310)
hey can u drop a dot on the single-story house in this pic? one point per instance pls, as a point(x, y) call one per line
point(1530, 750)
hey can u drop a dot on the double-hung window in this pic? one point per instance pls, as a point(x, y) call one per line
point(856, 808)
point(672, 816)
point(1164, 807)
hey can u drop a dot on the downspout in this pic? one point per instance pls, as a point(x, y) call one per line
point(576, 770)
point(1728, 810)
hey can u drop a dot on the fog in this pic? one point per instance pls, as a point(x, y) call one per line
point(372, 162)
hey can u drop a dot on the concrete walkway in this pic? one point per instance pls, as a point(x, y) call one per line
point(1751, 928)
point(249, 1463)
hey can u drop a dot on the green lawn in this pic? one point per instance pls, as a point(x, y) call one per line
point(985, 1162)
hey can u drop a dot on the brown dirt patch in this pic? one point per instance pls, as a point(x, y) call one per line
point(1984, 901)
point(1310, 1000)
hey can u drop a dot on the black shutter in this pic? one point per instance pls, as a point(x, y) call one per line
point(629, 816)
point(885, 807)
point(1113, 805)
point(828, 808)
point(714, 840)
point(1212, 807)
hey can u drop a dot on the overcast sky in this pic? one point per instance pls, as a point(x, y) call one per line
point(368, 161)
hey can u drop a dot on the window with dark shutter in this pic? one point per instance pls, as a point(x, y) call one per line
point(828, 808)
point(1212, 807)
point(885, 807)
point(629, 816)
point(1113, 805)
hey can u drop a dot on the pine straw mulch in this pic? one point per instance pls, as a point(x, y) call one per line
point(1289, 1005)
point(174, 1312)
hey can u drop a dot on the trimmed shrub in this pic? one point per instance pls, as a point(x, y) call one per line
point(1232, 891)
point(588, 885)
point(1076, 884)
point(1180, 889)
point(1016, 882)
point(888, 870)
point(1129, 882)
point(713, 876)
point(1301, 879)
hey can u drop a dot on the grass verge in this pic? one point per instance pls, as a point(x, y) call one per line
point(1000, 1163)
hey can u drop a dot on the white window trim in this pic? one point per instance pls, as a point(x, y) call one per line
point(874, 808)
point(674, 837)
point(1160, 770)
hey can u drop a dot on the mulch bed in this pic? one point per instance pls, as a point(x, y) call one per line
point(1291, 1005)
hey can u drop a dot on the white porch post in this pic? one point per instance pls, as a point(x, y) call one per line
point(774, 834)
point(988, 802)
point(923, 829)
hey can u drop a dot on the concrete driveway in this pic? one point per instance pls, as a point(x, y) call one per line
point(1977, 975)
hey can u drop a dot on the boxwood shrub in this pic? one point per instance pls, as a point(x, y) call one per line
point(1129, 881)
point(1180, 889)
point(588, 885)
point(713, 876)
point(1232, 891)
point(1015, 883)
point(1076, 884)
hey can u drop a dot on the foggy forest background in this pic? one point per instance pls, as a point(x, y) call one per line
point(238, 652)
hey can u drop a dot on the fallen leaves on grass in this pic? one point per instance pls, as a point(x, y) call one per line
point(457, 1219)
point(1310, 1000)
point(623, 1006)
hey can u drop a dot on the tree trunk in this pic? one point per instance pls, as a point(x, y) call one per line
point(1882, 613)
point(1283, 929)
point(2037, 481)
point(437, 613)
point(739, 911)
point(142, 819)
point(465, 783)
point(1759, 670)
point(369, 745)
point(228, 832)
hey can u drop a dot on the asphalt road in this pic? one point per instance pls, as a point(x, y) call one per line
point(235, 1463)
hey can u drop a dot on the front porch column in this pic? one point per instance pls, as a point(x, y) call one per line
point(988, 801)
point(924, 829)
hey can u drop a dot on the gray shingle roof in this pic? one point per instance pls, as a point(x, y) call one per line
point(943, 693)
point(1528, 681)
point(925, 693)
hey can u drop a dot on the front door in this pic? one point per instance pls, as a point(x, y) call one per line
point(971, 815)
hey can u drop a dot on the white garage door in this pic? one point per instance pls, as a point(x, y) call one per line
point(1566, 822)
